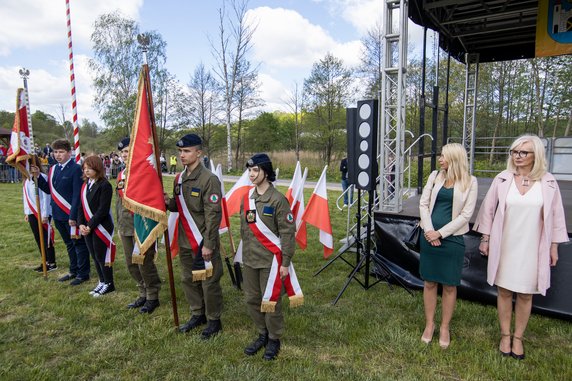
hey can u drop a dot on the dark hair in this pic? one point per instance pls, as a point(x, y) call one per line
point(38, 162)
point(61, 144)
point(95, 163)
point(268, 170)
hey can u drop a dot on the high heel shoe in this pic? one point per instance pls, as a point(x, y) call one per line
point(442, 343)
point(505, 354)
point(427, 340)
point(514, 355)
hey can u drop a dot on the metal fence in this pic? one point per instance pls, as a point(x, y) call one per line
point(9, 174)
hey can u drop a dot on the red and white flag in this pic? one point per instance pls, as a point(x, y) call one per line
point(294, 184)
point(225, 220)
point(236, 194)
point(297, 206)
point(20, 146)
point(318, 214)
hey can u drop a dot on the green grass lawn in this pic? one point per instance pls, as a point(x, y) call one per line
point(51, 331)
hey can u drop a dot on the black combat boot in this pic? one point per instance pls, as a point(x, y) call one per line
point(149, 306)
point(212, 329)
point(272, 349)
point(257, 344)
point(194, 322)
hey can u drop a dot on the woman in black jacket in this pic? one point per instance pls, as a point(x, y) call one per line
point(96, 223)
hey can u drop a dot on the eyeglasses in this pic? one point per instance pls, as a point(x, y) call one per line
point(520, 154)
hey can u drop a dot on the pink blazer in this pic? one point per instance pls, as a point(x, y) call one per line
point(463, 205)
point(490, 221)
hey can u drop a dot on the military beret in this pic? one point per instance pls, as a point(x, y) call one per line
point(123, 143)
point(189, 140)
point(257, 159)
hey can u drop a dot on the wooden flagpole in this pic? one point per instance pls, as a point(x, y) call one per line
point(144, 42)
point(24, 73)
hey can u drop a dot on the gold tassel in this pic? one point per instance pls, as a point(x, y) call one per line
point(199, 275)
point(296, 301)
point(209, 272)
point(268, 307)
point(137, 259)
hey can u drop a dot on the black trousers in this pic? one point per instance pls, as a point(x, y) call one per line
point(97, 250)
point(50, 252)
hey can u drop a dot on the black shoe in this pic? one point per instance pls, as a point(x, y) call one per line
point(77, 281)
point(272, 349)
point(139, 302)
point(194, 322)
point(66, 277)
point(39, 269)
point(51, 267)
point(106, 289)
point(256, 345)
point(149, 306)
point(212, 329)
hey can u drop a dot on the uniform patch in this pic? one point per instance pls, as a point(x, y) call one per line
point(268, 211)
point(214, 198)
point(177, 189)
point(121, 184)
point(195, 192)
point(290, 217)
point(250, 216)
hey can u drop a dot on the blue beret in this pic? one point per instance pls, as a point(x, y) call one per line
point(257, 159)
point(189, 140)
point(123, 143)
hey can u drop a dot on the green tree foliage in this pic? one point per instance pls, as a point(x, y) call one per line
point(117, 63)
point(328, 90)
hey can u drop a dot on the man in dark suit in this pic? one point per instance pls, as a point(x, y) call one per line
point(64, 184)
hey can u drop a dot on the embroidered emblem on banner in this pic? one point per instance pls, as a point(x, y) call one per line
point(268, 211)
point(213, 198)
point(290, 217)
point(195, 192)
point(251, 216)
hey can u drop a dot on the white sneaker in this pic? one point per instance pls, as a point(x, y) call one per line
point(97, 288)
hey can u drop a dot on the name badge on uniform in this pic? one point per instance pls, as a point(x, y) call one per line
point(177, 189)
point(268, 211)
point(195, 192)
point(250, 216)
point(121, 184)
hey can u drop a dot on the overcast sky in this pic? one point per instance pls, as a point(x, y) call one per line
point(291, 35)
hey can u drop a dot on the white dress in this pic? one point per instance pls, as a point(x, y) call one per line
point(518, 267)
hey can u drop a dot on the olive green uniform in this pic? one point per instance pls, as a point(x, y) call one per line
point(146, 275)
point(273, 209)
point(202, 194)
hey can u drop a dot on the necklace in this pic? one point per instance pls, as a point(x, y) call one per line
point(525, 181)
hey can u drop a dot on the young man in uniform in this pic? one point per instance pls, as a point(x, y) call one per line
point(64, 184)
point(146, 275)
point(197, 199)
point(267, 229)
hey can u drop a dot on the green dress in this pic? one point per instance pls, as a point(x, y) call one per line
point(442, 264)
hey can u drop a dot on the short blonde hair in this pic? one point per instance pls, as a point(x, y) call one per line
point(458, 170)
point(539, 168)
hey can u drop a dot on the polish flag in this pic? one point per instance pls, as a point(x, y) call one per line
point(298, 209)
point(318, 214)
point(236, 194)
point(225, 221)
point(294, 184)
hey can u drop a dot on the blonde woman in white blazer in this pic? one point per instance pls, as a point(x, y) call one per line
point(447, 203)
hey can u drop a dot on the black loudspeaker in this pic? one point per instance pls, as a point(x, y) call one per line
point(351, 127)
point(366, 145)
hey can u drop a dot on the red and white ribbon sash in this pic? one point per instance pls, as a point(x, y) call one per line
point(120, 179)
point(190, 227)
point(62, 202)
point(31, 201)
point(274, 285)
point(103, 234)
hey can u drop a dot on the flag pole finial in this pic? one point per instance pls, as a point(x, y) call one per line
point(144, 41)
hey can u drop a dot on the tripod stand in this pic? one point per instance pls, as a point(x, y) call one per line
point(363, 257)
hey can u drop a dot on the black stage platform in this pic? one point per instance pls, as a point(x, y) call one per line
point(391, 229)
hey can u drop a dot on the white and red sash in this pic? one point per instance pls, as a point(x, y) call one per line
point(62, 202)
point(271, 242)
point(103, 234)
point(120, 183)
point(191, 231)
point(31, 201)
